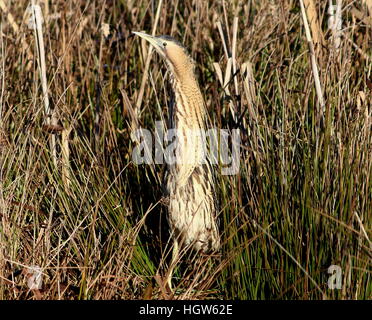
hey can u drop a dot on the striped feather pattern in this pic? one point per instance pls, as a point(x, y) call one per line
point(193, 208)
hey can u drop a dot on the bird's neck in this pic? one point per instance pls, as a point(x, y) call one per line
point(188, 111)
point(188, 119)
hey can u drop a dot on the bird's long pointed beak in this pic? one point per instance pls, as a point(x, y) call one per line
point(155, 42)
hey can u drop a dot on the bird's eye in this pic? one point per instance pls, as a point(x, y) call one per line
point(164, 44)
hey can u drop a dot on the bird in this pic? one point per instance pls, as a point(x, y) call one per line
point(189, 181)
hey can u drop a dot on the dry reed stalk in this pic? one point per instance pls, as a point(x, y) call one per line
point(314, 66)
point(50, 116)
point(224, 80)
point(147, 65)
point(249, 89)
point(230, 66)
point(220, 30)
point(98, 89)
point(363, 230)
point(233, 53)
point(66, 177)
point(312, 16)
point(38, 20)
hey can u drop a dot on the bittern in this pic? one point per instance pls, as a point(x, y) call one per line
point(189, 181)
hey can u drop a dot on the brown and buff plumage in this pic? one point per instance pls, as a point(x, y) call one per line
point(192, 211)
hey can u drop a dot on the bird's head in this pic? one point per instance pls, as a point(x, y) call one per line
point(172, 51)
